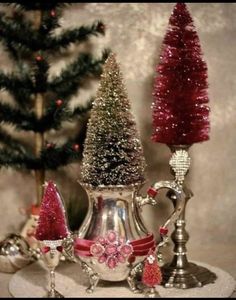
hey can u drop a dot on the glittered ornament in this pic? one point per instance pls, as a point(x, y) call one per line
point(59, 102)
point(52, 13)
point(50, 145)
point(112, 154)
point(39, 58)
point(180, 111)
point(151, 271)
point(76, 147)
point(52, 224)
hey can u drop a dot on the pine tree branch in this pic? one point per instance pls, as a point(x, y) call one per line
point(9, 158)
point(49, 21)
point(13, 83)
point(66, 84)
point(19, 32)
point(78, 111)
point(55, 157)
point(11, 50)
point(16, 22)
point(52, 119)
point(15, 49)
point(75, 35)
point(22, 98)
point(14, 116)
point(55, 116)
point(50, 159)
point(22, 33)
point(28, 122)
point(21, 88)
point(10, 142)
point(21, 95)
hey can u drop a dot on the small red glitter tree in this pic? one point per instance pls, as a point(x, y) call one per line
point(151, 272)
point(180, 113)
point(52, 224)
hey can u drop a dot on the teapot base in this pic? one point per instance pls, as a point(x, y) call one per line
point(120, 273)
point(132, 274)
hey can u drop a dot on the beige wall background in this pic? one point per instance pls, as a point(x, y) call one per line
point(135, 32)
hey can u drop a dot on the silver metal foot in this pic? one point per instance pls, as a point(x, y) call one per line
point(93, 277)
point(132, 279)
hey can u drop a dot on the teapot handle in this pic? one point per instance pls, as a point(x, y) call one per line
point(177, 195)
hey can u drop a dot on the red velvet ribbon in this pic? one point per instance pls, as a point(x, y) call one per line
point(141, 247)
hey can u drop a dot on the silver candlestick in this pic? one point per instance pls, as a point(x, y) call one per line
point(180, 273)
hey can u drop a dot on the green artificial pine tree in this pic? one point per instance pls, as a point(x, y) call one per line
point(112, 152)
point(42, 103)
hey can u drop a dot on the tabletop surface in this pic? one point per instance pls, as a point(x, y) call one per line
point(226, 261)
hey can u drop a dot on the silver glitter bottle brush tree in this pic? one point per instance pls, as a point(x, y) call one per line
point(113, 241)
point(180, 119)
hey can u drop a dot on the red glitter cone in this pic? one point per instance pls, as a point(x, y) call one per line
point(151, 272)
point(180, 113)
point(52, 223)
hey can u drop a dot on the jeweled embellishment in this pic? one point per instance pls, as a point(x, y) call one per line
point(151, 259)
point(111, 249)
point(97, 250)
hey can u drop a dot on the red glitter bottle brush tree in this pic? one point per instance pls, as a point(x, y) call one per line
point(180, 111)
point(52, 224)
point(151, 272)
point(181, 118)
point(52, 231)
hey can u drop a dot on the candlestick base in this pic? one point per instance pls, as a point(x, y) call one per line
point(190, 276)
point(54, 294)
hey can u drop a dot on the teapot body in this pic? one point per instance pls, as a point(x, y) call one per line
point(113, 236)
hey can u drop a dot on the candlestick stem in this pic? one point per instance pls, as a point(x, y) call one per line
point(52, 282)
point(53, 293)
